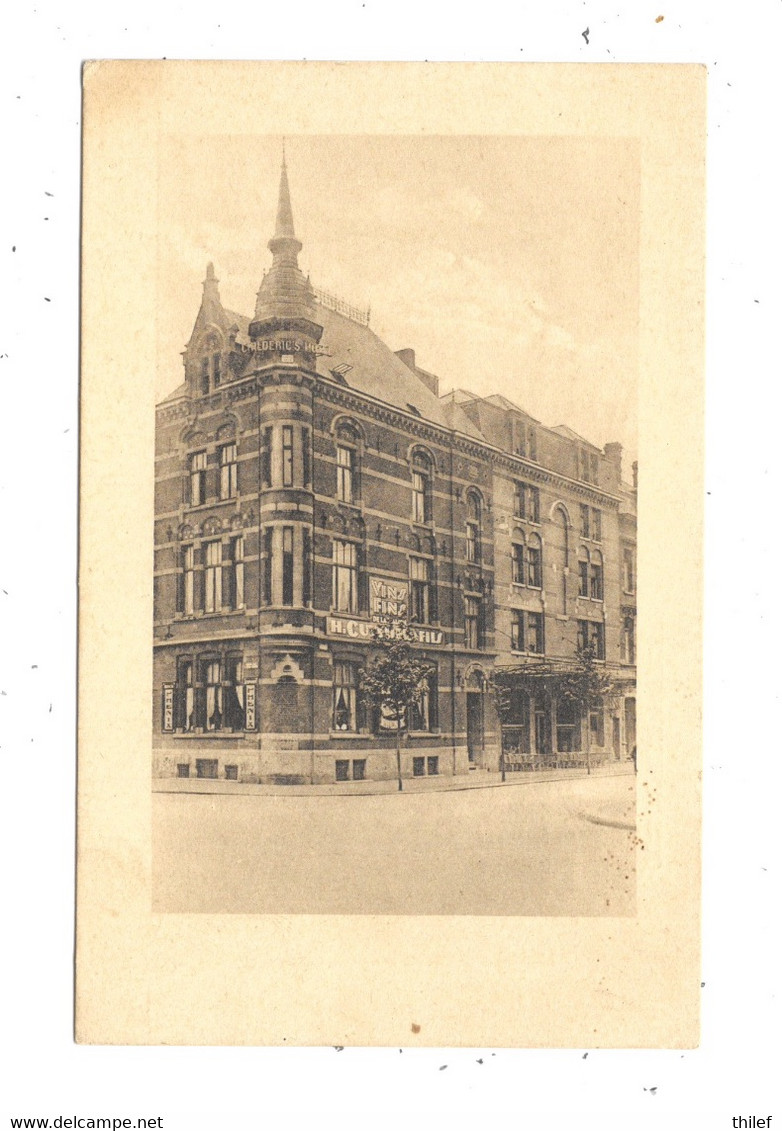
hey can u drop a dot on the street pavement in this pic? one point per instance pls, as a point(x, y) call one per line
point(552, 847)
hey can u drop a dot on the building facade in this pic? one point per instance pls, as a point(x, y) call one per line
point(310, 481)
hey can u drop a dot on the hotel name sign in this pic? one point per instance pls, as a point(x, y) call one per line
point(386, 599)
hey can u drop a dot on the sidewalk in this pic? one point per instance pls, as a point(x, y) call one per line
point(478, 779)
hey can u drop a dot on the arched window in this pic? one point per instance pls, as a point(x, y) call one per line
point(348, 445)
point(596, 576)
point(422, 487)
point(583, 571)
point(534, 562)
point(473, 527)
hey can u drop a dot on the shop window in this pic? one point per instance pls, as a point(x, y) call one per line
point(234, 694)
point(211, 696)
point(423, 710)
point(359, 769)
point(346, 486)
point(287, 565)
point(342, 769)
point(596, 728)
point(184, 696)
point(472, 611)
point(568, 728)
point(183, 770)
point(197, 479)
point(213, 577)
point(345, 577)
point(515, 723)
point(419, 767)
point(421, 590)
point(206, 767)
point(433, 765)
point(344, 697)
point(231, 773)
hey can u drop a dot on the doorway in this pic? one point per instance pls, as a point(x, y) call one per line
point(474, 726)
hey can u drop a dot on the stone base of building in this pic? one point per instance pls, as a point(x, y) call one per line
point(358, 761)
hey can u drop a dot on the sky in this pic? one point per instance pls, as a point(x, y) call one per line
point(509, 264)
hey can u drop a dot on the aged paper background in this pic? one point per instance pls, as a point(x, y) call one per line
point(146, 978)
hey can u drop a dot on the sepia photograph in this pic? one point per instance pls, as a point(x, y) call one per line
point(396, 474)
point(370, 384)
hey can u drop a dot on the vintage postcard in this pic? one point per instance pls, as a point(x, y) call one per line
point(391, 554)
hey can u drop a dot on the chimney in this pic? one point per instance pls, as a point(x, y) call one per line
point(613, 453)
point(432, 383)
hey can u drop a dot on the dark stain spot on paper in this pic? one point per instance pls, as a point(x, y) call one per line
point(415, 1028)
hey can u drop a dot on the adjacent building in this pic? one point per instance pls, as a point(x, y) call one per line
point(309, 480)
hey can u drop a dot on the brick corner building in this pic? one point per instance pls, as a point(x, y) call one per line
point(308, 480)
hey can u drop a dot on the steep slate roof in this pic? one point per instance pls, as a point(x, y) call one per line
point(378, 372)
point(503, 402)
point(563, 430)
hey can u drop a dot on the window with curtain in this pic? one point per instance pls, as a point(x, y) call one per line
point(420, 594)
point(229, 472)
point(345, 577)
point(213, 577)
point(197, 479)
point(344, 697)
point(346, 459)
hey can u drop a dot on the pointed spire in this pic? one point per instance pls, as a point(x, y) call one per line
point(283, 245)
point(210, 283)
point(284, 291)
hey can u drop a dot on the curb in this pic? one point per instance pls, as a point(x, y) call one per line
point(387, 788)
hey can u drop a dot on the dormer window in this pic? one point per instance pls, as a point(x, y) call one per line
point(210, 373)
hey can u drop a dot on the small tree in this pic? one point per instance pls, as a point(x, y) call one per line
point(586, 687)
point(395, 678)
